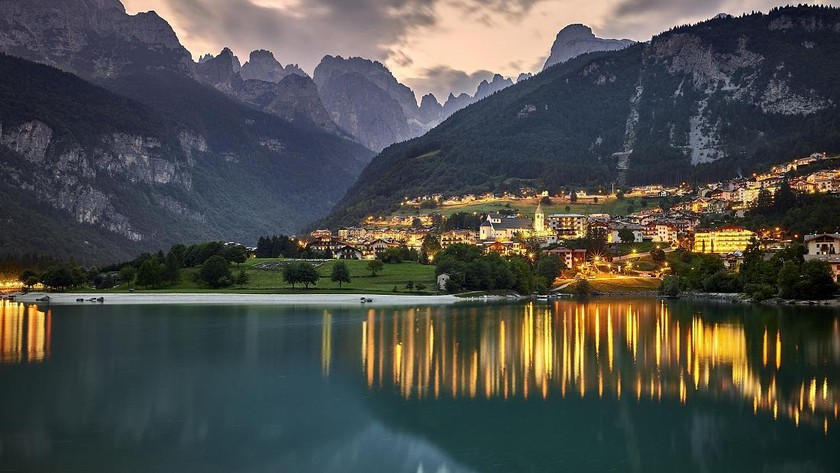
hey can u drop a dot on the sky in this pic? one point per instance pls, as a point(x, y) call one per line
point(437, 46)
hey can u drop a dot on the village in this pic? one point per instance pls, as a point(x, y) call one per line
point(681, 225)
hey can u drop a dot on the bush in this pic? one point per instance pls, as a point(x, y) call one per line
point(583, 290)
point(670, 286)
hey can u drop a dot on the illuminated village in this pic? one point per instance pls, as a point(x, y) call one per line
point(697, 221)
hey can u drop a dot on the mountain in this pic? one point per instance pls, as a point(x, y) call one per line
point(367, 101)
point(91, 38)
point(701, 102)
point(130, 153)
point(577, 39)
point(285, 92)
point(263, 66)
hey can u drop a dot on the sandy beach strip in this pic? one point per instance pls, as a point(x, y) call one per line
point(261, 299)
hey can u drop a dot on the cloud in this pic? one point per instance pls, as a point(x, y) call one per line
point(633, 8)
point(441, 80)
point(301, 31)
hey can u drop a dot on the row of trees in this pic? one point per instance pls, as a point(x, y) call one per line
point(469, 268)
point(785, 274)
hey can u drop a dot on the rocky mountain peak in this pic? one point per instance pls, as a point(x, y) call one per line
point(263, 66)
point(219, 71)
point(93, 38)
point(486, 89)
point(577, 39)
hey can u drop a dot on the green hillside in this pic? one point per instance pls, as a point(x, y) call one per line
point(732, 94)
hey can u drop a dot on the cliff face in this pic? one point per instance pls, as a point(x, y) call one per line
point(574, 40)
point(97, 177)
point(264, 67)
point(93, 38)
point(264, 83)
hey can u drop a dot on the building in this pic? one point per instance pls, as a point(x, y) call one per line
point(726, 239)
point(352, 233)
point(825, 247)
point(539, 219)
point(454, 237)
point(498, 227)
point(823, 244)
point(568, 226)
point(347, 252)
point(571, 258)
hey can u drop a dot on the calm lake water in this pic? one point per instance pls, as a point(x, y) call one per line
point(612, 385)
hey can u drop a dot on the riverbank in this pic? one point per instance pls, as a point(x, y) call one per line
point(257, 299)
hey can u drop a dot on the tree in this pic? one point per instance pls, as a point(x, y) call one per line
point(573, 196)
point(582, 289)
point(340, 273)
point(549, 267)
point(416, 223)
point(172, 268)
point(150, 273)
point(26, 274)
point(242, 278)
point(619, 195)
point(788, 279)
point(127, 274)
point(374, 267)
point(420, 287)
point(30, 281)
point(670, 286)
point(817, 281)
point(215, 272)
point(409, 285)
point(626, 235)
point(546, 200)
point(308, 274)
point(291, 274)
point(235, 253)
point(657, 255)
point(430, 246)
point(59, 278)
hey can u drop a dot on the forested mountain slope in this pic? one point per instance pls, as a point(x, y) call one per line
point(715, 99)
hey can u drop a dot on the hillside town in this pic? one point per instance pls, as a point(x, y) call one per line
point(697, 220)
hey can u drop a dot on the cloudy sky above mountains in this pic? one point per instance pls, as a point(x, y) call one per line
point(432, 45)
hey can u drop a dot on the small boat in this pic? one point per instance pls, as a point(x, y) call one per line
point(101, 299)
point(92, 299)
point(43, 299)
point(80, 300)
point(368, 300)
point(363, 300)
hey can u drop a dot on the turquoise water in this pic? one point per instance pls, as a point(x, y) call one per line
point(612, 385)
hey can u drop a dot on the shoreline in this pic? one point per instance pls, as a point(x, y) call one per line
point(233, 299)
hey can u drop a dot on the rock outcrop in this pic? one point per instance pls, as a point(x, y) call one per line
point(577, 39)
point(280, 91)
point(264, 67)
point(92, 38)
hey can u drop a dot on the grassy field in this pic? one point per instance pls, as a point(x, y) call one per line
point(618, 285)
point(265, 276)
point(605, 205)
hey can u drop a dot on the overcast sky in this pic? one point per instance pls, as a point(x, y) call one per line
point(431, 45)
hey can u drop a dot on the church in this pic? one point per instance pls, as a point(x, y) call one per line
point(498, 227)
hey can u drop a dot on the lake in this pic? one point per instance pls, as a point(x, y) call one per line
point(636, 385)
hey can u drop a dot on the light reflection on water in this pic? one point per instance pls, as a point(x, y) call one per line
point(24, 333)
point(605, 349)
point(622, 385)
